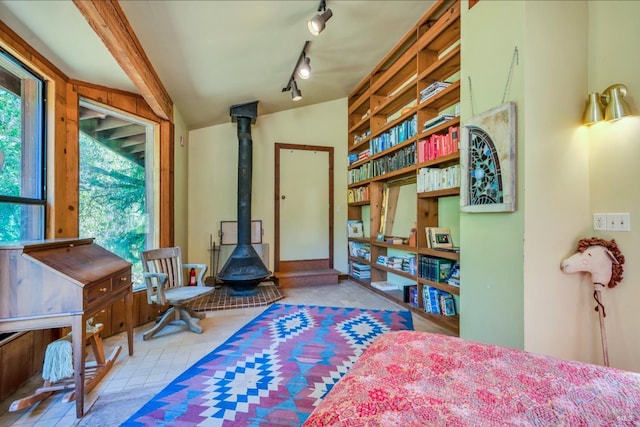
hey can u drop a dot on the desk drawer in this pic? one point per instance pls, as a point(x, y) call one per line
point(97, 291)
point(120, 281)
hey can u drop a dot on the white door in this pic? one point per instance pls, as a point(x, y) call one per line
point(304, 204)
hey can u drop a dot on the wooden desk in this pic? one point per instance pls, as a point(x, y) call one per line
point(56, 283)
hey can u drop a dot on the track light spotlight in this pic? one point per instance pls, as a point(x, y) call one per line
point(304, 69)
point(318, 22)
point(296, 94)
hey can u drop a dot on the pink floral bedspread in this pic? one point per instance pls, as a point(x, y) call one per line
point(411, 378)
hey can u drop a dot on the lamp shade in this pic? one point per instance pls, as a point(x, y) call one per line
point(594, 111)
point(617, 107)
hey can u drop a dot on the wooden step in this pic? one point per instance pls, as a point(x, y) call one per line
point(327, 276)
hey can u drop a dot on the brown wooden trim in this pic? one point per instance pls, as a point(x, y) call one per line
point(166, 207)
point(330, 151)
point(110, 24)
point(123, 100)
point(134, 104)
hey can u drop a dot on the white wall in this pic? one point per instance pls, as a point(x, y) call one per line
point(614, 57)
point(556, 172)
point(213, 155)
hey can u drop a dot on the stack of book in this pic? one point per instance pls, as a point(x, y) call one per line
point(360, 270)
point(384, 286)
point(454, 276)
point(436, 121)
point(362, 137)
point(432, 89)
point(360, 250)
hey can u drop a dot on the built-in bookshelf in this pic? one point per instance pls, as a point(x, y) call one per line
point(404, 127)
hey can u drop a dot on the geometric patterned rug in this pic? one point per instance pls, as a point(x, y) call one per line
point(272, 372)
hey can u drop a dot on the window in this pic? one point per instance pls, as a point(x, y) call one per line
point(22, 148)
point(116, 182)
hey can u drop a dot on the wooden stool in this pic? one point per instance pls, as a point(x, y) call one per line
point(94, 372)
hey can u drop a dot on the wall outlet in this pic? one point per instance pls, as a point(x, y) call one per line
point(618, 222)
point(599, 221)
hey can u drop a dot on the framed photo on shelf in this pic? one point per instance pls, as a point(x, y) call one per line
point(488, 161)
point(355, 228)
point(439, 238)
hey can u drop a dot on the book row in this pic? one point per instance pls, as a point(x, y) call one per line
point(394, 136)
point(438, 302)
point(360, 173)
point(438, 145)
point(360, 194)
point(432, 179)
point(405, 263)
point(392, 162)
point(435, 269)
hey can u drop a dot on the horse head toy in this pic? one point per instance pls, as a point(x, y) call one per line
point(603, 260)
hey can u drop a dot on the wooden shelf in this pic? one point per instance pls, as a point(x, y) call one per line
point(445, 67)
point(455, 191)
point(439, 254)
point(455, 290)
point(360, 203)
point(392, 270)
point(430, 51)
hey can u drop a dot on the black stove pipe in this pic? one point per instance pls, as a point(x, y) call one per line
point(244, 269)
point(245, 162)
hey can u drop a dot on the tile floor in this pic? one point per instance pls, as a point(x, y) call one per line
point(158, 361)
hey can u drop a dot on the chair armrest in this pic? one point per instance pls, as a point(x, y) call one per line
point(201, 269)
point(160, 282)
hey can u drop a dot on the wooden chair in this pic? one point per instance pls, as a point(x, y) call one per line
point(164, 276)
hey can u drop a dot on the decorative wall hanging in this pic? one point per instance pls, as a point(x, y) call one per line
point(488, 161)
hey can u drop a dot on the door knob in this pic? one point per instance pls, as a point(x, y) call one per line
point(283, 197)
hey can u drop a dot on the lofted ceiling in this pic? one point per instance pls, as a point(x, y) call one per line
point(212, 54)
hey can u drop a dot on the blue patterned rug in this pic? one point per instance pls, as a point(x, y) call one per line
point(273, 371)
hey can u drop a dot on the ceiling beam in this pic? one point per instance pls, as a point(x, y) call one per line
point(110, 24)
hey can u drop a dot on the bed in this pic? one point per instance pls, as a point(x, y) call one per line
point(411, 378)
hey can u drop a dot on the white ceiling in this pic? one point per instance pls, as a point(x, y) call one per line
point(214, 54)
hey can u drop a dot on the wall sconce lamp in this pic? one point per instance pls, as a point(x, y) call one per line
point(302, 69)
point(318, 22)
point(608, 106)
